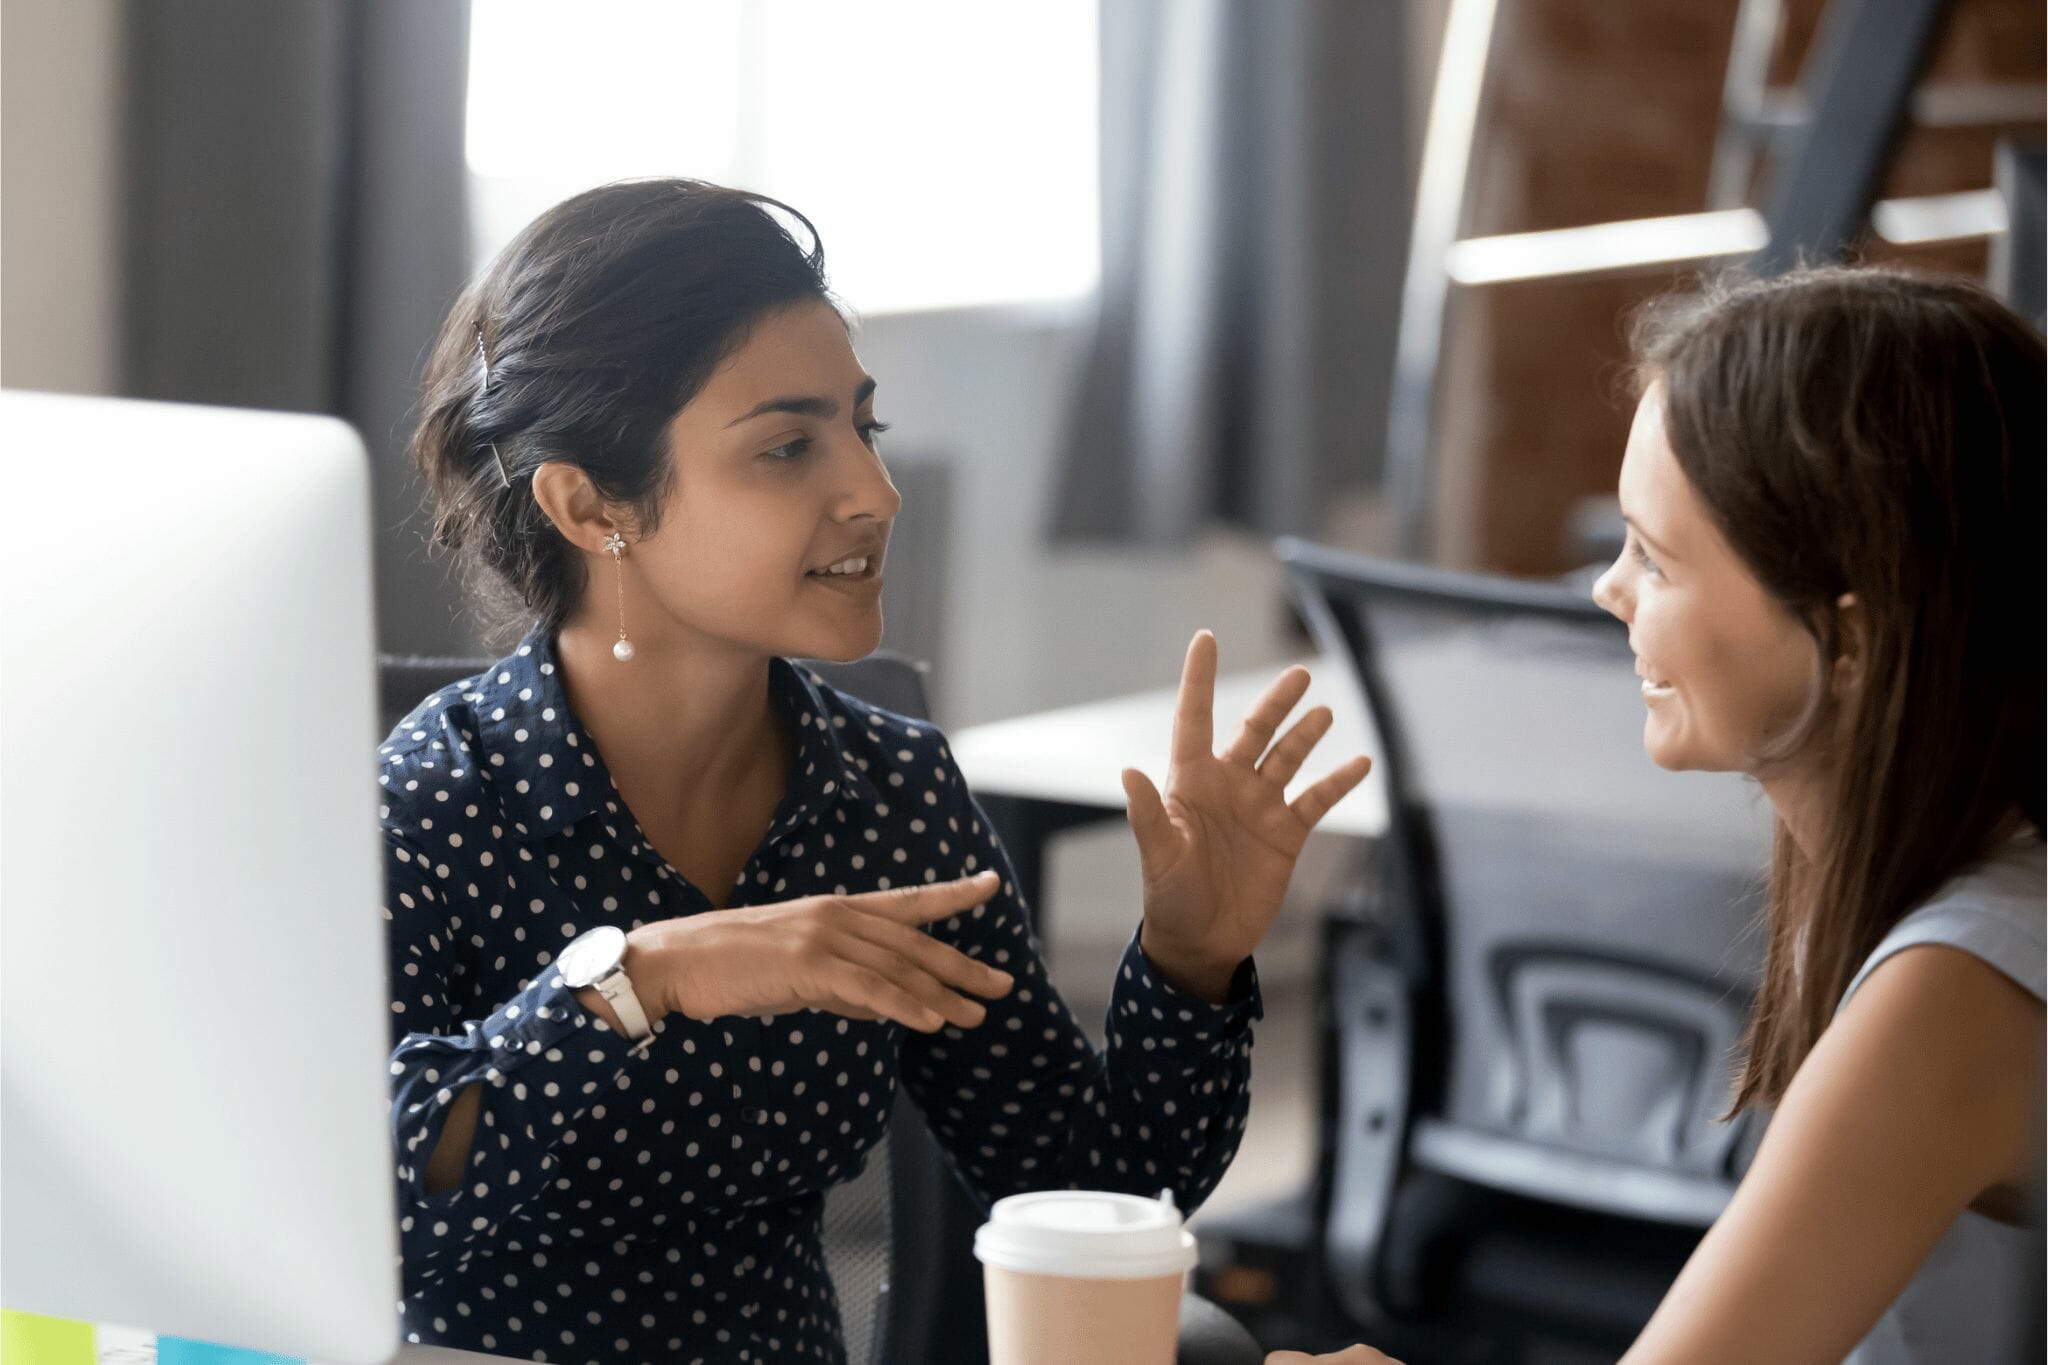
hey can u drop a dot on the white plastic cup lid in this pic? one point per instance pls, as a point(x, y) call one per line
point(1086, 1234)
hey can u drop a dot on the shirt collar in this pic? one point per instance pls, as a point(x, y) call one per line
point(822, 773)
point(548, 774)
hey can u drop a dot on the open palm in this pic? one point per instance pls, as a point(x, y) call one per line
point(1218, 848)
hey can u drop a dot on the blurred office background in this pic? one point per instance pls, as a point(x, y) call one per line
point(1145, 283)
point(1130, 272)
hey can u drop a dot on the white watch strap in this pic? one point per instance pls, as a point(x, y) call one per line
point(616, 988)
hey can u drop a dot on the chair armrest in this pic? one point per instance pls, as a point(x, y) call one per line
point(1374, 1031)
point(1210, 1336)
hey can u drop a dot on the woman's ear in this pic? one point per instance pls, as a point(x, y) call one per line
point(1852, 648)
point(571, 502)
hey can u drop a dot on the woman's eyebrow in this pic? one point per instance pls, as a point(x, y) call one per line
point(806, 405)
point(1645, 536)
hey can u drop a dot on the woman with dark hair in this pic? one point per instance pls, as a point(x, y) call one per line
point(1833, 581)
point(670, 918)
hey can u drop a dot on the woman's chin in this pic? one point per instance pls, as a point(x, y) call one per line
point(1666, 748)
point(1675, 751)
point(841, 646)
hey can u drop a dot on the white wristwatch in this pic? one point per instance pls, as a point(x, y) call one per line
point(594, 959)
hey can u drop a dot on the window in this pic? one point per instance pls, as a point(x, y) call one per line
point(945, 150)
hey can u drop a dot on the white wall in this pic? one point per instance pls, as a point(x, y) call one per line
point(59, 229)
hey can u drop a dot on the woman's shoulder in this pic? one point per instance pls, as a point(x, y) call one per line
point(876, 739)
point(1996, 910)
point(430, 757)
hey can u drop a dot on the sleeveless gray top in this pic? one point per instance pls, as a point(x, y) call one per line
point(1977, 1298)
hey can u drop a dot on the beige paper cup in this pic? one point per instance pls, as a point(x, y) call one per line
point(1083, 1277)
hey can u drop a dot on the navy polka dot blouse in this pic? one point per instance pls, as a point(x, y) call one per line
point(666, 1205)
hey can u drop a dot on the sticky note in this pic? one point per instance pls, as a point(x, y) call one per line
point(179, 1351)
point(26, 1339)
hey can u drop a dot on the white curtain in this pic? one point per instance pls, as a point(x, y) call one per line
point(1255, 209)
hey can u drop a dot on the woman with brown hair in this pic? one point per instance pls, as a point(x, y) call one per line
point(1833, 582)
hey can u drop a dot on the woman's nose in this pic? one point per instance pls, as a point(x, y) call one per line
point(872, 493)
point(1608, 593)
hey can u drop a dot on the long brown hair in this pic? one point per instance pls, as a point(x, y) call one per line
point(1875, 432)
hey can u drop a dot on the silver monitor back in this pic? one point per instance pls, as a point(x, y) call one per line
point(193, 1072)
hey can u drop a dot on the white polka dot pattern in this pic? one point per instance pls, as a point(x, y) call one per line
point(667, 1207)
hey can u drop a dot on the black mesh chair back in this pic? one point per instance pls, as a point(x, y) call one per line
point(406, 680)
point(1583, 918)
point(2017, 272)
point(898, 1237)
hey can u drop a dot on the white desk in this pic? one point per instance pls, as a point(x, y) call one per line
point(1501, 725)
point(1075, 755)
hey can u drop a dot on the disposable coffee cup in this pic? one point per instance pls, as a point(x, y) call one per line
point(1083, 1277)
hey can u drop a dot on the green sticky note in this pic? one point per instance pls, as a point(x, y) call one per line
point(179, 1351)
point(26, 1339)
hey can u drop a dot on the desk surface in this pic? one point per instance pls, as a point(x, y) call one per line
point(1077, 754)
point(1496, 726)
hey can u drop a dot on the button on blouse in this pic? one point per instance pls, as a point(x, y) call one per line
point(665, 1204)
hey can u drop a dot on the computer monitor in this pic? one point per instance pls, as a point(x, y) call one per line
point(194, 1047)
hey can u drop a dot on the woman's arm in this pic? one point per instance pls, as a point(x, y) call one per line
point(1924, 1094)
point(479, 1106)
point(1023, 1101)
point(1920, 1097)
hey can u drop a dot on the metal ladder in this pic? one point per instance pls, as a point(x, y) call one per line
point(1824, 147)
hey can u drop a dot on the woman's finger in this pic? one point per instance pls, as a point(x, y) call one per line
point(942, 960)
point(1294, 747)
point(1150, 824)
point(853, 987)
point(913, 980)
point(1193, 714)
point(1312, 805)
point(1264, 718)
point(926, 902)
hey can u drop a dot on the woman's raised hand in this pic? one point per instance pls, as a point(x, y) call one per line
point(863, 956)
point(1219, 847)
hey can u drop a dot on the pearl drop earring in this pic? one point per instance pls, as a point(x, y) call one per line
point(616, 543)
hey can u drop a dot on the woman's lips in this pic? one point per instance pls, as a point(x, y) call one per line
point(867, 580)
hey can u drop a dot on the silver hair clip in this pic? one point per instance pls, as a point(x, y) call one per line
point(498, 460)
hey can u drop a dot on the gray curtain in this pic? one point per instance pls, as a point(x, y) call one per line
point(294, 210)
point(1254, 224)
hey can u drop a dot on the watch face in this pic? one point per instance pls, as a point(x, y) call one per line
point(591, 957)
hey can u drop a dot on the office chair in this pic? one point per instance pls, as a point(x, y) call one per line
point(899, 1237)
point(2016, 273)
point(1529, 1018)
